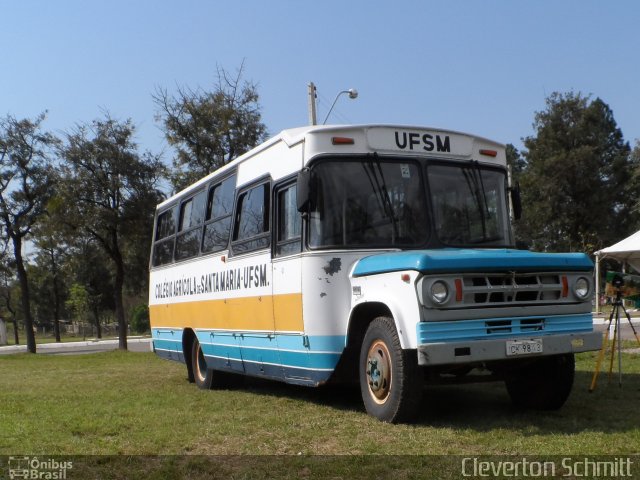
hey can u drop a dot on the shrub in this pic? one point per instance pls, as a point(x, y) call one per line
point(139, 322)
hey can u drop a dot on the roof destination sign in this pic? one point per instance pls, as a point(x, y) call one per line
point(410, 140)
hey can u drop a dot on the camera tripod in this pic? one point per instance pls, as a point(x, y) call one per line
point(617, 340)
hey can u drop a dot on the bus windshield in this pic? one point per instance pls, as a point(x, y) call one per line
point(382, 203)
point(469, 205)
point(368, 203)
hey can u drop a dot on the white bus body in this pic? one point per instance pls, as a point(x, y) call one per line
point(379, 253)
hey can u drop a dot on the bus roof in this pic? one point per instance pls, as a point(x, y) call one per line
point(409, 139)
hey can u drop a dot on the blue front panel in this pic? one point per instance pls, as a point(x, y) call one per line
point(489, 328)
point(451, 260)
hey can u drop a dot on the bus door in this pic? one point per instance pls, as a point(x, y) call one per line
point(293, 344)
point(250, 305)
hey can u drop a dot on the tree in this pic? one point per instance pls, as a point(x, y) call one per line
point(89, 267)
point(49, 281)
point(7, 281)
point(209, 129)
point(576, 165)
point(78, 303)
point(25, 186)
point(633, 186)
point(109, 192)
point(516, 163)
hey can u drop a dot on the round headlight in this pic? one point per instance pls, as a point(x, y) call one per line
point(439, 292)
point(581, 288)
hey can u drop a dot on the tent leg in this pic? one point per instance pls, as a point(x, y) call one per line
point(597, 284)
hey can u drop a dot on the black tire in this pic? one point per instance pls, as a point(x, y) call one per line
point(202, 375)
point(207, 378)
point(544, 384)
point(390, 380)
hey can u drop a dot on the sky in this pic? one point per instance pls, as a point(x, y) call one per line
point(482, 67)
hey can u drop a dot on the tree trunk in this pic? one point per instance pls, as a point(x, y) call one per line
point(56, 308)
point(15, 331)
point(3, 332)
point(96, 319)
point(118, 287)
point(24, 289)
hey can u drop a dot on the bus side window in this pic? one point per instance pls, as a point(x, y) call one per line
point(288, 240)
point(165, 237)
point(218, 219)
point(251, 229)
point(190, 226)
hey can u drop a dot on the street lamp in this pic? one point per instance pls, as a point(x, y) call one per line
point(353, 94)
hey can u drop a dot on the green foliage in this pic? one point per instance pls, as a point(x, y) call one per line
point(78, 302)
point(139, 321)
point(26, 182)
point(109, 194)
point(576, 167)
point(633, 185)
point(208, 129)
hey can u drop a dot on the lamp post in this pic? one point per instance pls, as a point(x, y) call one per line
point(353, 94)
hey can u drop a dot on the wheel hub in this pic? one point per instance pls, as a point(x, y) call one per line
point(379, 371)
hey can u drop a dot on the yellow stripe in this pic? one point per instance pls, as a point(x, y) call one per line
point(279, 313)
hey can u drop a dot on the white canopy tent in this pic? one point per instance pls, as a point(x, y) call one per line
point(627, 250)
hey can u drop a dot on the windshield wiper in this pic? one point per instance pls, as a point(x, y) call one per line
point(473, 174)
point(478, 172)
point(381, 190)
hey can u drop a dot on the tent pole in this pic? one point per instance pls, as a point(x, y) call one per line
point(597, 284)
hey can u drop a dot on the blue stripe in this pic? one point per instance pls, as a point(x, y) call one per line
point(167, 345)
point(174, 334)
point(292, 357)
point(483, 329)
point(468, 260)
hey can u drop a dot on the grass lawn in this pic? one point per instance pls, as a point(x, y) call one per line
point(121, 403)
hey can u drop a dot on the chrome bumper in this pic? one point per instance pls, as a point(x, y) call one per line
point(473, 351)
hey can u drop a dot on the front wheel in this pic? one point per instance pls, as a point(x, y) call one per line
point(544, 384)
point(390, 380)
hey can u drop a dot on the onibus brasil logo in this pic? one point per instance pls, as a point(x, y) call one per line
point(34, 468)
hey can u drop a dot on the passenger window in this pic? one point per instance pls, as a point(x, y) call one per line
point(165, 237)
point(192, 212)
point(190, 228)
point(251, 231)
point(218, 218)
point(166, 224)
point(288, 239)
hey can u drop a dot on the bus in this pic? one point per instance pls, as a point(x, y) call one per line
point(376, 254)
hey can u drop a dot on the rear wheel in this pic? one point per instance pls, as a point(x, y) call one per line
point(390, 380)
point(202, 375)
point(544, 384)
point(207, 378)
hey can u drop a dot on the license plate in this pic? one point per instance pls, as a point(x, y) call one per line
point(524, 347)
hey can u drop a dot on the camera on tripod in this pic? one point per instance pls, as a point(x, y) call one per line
point(617, 281)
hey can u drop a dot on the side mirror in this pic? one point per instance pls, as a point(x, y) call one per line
point(516, 201)
point(303, 190)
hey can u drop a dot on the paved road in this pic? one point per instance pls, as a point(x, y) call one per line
point(144, 344)
point(77, 348)
point(600, 324)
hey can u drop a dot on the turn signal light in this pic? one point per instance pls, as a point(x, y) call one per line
point(458, 283)
point(342, 141)
point(565, 287)
point(489, 153)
